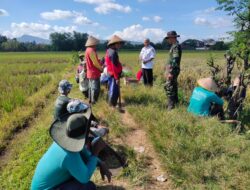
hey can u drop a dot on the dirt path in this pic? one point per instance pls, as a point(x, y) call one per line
point(137, 139)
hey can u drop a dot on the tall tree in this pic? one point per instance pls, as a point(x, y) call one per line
point(240, 10)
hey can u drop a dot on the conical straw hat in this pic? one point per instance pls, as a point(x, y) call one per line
point(115, 39)
point(208, 84)
point(92, 41)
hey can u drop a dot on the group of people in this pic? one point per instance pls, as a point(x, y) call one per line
point(73, 156)
point(91, 67)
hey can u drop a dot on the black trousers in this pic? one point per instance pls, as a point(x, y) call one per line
point(147, 77)
point(217, 110)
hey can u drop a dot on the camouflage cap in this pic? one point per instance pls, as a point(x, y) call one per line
point(172, 34)
point(64, 86)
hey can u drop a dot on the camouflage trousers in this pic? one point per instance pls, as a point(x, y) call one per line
point(171, 88)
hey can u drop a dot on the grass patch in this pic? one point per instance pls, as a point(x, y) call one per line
point(199, 153)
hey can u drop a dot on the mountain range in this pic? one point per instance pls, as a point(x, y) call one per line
point(29, 38)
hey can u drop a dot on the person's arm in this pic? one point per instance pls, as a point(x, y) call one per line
point(140, 56)
point(81, 171)
point(86, 154)
point(217, 100)
point(174, 62)
point(150, 57)
point(95, 61)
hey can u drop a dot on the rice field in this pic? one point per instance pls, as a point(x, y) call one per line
point(26, 80)
point(196, 153)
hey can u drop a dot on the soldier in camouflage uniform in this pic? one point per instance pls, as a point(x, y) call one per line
point(173, 70)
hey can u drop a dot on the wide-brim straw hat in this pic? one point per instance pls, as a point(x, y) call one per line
point(208, 84)
point(172, 34)
point(115, 39)
point(91, 41)
point(70, 131)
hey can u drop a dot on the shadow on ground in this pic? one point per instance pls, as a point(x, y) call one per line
point(110, 187)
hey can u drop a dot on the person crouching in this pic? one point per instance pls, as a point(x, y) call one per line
point(204, 100)
point(67, 164)
point(64, 88)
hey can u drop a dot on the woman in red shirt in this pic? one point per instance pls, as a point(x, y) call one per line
point(114, 68)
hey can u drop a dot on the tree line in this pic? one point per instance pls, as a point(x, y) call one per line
point(75, 42)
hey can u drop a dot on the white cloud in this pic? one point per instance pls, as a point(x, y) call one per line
point(213, 22)
point(57, 15)
point(157, 18)
point(3, 12)
point(106, 6)
point(82, 20)
point(77, 17)
point(138, 33)
point(36, 29)
point(145, 18)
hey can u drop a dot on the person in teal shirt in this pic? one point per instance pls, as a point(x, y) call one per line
point(67, 164)
point(204, 101)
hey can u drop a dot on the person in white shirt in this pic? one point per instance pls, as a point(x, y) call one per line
point(146, 57)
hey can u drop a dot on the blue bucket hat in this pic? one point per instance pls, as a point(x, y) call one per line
point(64, 86)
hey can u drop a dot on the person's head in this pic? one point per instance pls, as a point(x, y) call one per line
point(71, 131)
point(64, 87)
point(92, 42)
point(81, 56)
point(172, 37)
point(115, 42)
point(146, 42)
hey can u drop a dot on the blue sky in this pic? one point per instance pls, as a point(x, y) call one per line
point(132, 20)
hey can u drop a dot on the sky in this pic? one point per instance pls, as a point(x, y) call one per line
point(132, 20)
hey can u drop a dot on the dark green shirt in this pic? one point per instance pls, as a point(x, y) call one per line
point(174, 59)
point(61, 106)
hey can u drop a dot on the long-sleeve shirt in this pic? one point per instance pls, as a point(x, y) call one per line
point(61, 106)
point(147, 54)
point(201, 100)
point(58, 165)
point(114, 66)
point(173, 65)
point(94, 67)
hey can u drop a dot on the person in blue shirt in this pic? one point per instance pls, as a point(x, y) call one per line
point(204, 101)
point(67, 164)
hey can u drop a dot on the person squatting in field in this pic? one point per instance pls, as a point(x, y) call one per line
point(114, 68)
point(64, 88)
point(173, 69)
point(94, 69)
point(146, 57)
point(68, 163)
point(82, 76)
point(204, 100)
point(63, 103)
